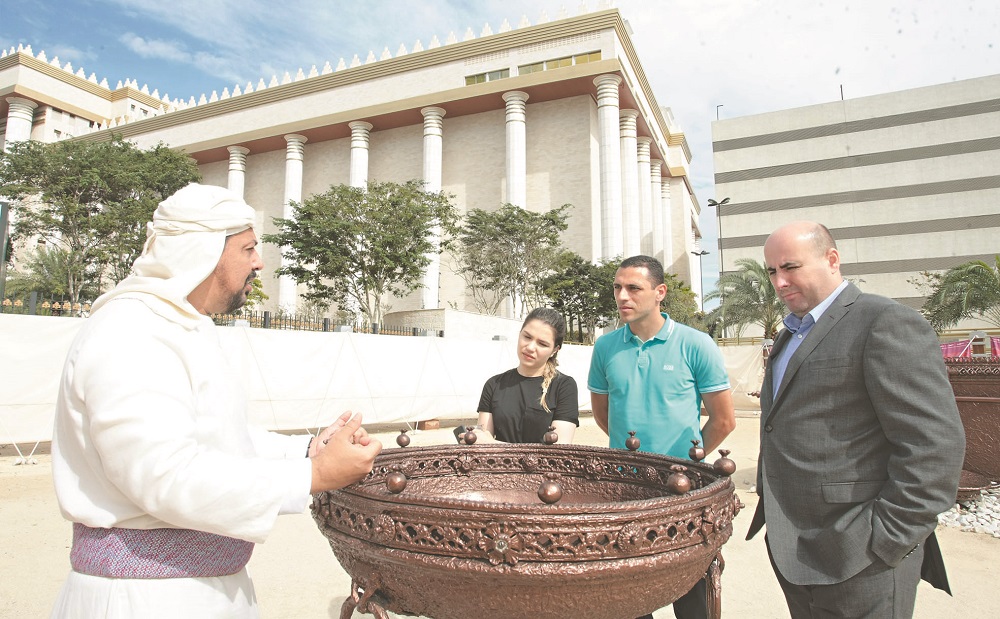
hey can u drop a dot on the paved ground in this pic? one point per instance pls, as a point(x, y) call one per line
point(297, 575)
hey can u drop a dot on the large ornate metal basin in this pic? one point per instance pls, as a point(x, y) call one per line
point(976, 383)
point(462, 531)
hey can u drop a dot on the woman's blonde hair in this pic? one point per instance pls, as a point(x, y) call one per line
point(555, 320)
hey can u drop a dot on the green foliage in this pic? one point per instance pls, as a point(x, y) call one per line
point(504, 253)
point(746, 297)
point(256, 296)
point(582, 292)
point(970, 290)
point(362, 246)
point(91, 199)
point(680, 303)
point(45, 271)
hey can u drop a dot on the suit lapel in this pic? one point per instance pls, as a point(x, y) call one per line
point(837, 310)
point(767, 387)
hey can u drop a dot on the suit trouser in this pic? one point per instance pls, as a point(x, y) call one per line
point(691, 605)
point(876, 592)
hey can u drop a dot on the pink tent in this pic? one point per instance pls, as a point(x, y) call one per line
point(963, 348)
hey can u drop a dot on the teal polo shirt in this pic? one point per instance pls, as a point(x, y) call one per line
point(655, 387)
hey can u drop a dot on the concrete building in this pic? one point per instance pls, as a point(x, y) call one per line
point(907, 181)
point(533, 115)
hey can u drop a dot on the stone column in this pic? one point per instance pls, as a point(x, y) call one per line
point(237, 169)
point(294, 151)
point(630, 182)
point(433, 147)
point(668, 222)
point(360, 134)
point(656, 197)
point(645, 197)
point(610, 165)
point(20, 116)
point(517, 149)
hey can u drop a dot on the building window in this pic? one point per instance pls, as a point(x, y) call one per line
point(556, 63)
point(530, 68)
point(487, 77)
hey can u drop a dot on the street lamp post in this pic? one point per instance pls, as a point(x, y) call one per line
point(718, 216)
point(701, 276)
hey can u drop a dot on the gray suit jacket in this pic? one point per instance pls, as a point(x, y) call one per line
point(861, 447)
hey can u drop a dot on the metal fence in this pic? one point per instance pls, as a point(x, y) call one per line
point(32, 306)
point(269, 320)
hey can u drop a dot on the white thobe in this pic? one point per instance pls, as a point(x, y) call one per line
point(151, 432)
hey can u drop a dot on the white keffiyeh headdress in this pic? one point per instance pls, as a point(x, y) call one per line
point(183, 245)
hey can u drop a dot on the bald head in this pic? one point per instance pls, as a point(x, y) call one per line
point(804, 264)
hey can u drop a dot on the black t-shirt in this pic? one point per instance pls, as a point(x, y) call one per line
point(515, 402)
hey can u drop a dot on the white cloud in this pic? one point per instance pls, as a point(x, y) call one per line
point(152, 48)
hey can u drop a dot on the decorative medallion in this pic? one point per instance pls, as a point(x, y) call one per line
point(501, 542)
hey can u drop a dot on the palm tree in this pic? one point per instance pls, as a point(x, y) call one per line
point(746, 297)
point(970, 290)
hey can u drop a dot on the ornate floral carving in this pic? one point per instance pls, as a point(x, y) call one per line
point(530, 463)
point(464, 463)
point(501, 542)
point(384, 528)
point(630, 536)
point(593, 468)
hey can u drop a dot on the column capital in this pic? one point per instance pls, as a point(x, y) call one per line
point(515, 96)
point(238, 157)
point(295, 146)
point(21, 102)
point(608, 80)
point(360, 125)
point(433, 120)
point(433, 112)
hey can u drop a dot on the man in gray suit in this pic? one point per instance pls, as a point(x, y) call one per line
point(861, 443)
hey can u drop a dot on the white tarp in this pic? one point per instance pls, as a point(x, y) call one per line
point(301, 379)
point(745, 366)
point(294, 379)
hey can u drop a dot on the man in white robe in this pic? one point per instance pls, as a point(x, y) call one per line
point(152, 457)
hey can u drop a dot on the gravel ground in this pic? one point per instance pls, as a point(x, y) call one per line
point(979, 516)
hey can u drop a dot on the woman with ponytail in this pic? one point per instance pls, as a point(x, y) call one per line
point(519, 405)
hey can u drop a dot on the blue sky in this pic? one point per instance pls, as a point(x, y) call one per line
point(749, 56)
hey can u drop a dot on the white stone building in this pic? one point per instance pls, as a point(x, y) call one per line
point(534, 115)
point(906, 181)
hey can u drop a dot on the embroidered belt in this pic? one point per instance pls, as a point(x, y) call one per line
point(156, 553)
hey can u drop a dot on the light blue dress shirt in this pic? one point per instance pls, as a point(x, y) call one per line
point(799, 328)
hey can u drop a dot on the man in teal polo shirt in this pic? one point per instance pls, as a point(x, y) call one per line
point(651, 376)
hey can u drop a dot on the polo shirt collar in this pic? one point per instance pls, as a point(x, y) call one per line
point(662, 334)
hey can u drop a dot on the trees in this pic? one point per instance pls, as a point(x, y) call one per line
point(970, 290)
point(45, 271)
point(582, 292)
point(746, 298)
point(90, 199)
point(502, 254)
point(354, 245)
point(679, 303)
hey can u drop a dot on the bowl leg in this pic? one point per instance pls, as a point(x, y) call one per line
point(361, 599)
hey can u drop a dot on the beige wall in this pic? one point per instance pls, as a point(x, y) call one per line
point(927, 153)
